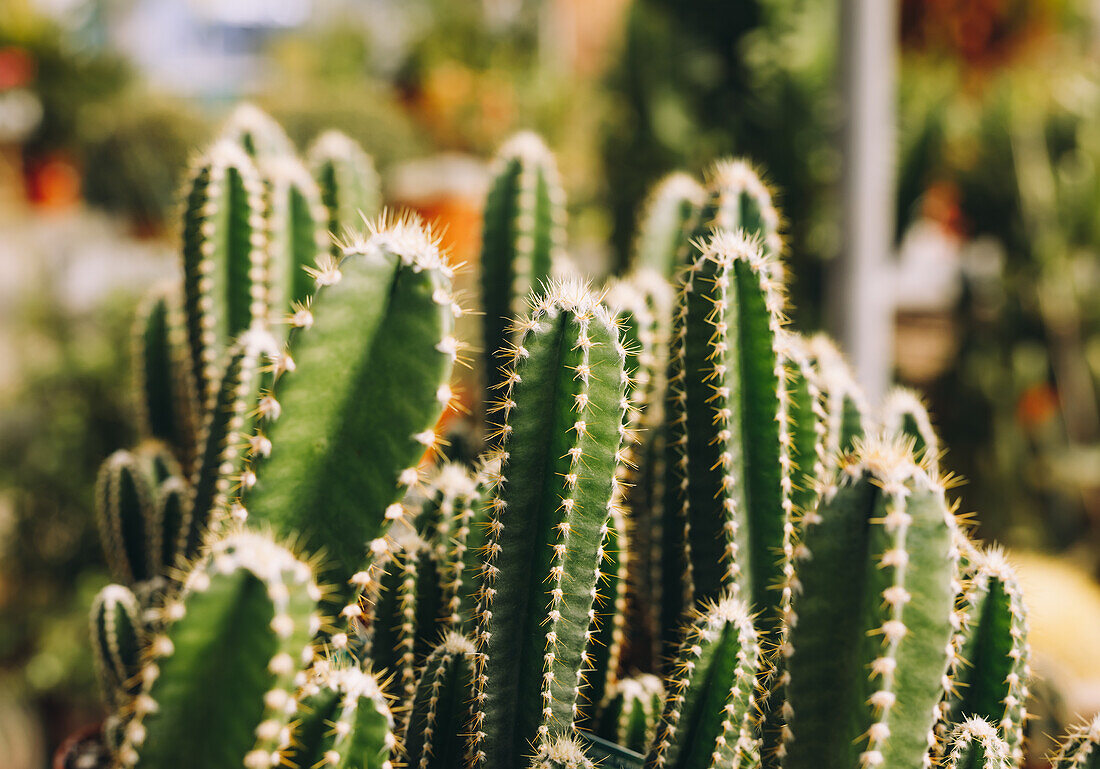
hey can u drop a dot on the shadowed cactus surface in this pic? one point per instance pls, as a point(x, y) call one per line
point(686, 542)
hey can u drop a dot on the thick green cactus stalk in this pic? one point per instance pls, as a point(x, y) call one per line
point(157, 462)
point(523, 231)
point(217, 685)
point(257, 133)
point(807, 417)
point(737, 199)
point(870, 630)
point(606, 629)
point(118, 637)
point(442, 709)
point(974, 744)
point(167, 409)
point(992, 665)
point(631, 711)
point(229, 425)
point(902, 412)
point(347, 722)
point(224, 257)
point(563, 752)
point(172, 510)
point(455, 522)
point(707, 721)
point(386, 307)
point(297, 234)
point(561, 416)
point(663, 225)
point(1080, 749)
point(124, 511)
point(847, 418)
point(350, 188)
point(728, 414)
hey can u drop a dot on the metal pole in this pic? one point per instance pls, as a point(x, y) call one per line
point(861, 281)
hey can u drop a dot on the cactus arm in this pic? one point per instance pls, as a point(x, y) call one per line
point(631, 712)
point(256, 133)
point(523, 231)
point(124, 507)
point(1080, 749)
point(349, 184)
point(453, 519)
point(974, 744)
point(606, 630)
point(709, 704)
point(297, 233)
point(560, 445)
point(442, 707)
point(118, 638)
point(903, 412)
point(224, 257)
point(229, 424)
point(992, 669)
point(665, 217)
point(171, 517)
point(385, 307)
point(847, 420)
point(868, 646)
point(167, 410)
point(739, 200)
point(216, 683)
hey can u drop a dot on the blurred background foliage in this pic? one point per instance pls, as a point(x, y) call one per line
point(997, 218)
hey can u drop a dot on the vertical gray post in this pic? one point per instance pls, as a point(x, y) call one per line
point(861, 302)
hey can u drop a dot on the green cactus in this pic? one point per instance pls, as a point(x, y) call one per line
point(663, 224)
point(124, 511)
point(172, 510)
point(224, 257)
point(606, 628)
point(297, 233)
point(118, 636)
point(550, 509)
point(847, 418)
point(991, 669)
point(442, 708)
point(870, 629)
point(385, 306)
point(1079, 749)
point(522, 234)
point(563, 752)
point(254, 131)
point(974, 744)
point(707, 721)
point(346, 723)
point(167, 408)
point(903, 413)
point(631, 711)
point(728, 407)
point(217, 684)
point(350, 188)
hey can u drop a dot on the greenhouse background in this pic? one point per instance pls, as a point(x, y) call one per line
point(937, 164)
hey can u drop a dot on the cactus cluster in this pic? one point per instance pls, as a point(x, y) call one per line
point(687, 544)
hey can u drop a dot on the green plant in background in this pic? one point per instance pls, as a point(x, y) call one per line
point(816, 607)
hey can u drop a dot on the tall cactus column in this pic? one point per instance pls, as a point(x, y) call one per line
point(561, 417)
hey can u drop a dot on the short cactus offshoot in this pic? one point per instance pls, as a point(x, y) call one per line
point(686, 544)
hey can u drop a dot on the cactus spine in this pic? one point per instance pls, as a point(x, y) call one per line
point(349, 185)
point(297, 233)
point(709, 705)
point(548, 521)
point(903, 413)
point(631, 711)
point(385, 306)
point(442, 706)
point(1080, 749)
point(974, 744)
point(124, 505)
point(118, 636)
point(561, 753)
point(868, 646)
point(523, 232)
point(245, 613)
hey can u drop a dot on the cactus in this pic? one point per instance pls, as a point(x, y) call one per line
point(991, 670)
point(118, 636)
point(902, 412)
point(1080, 749)
point(124, 510)
point(441, 715)
point(605, 631)
point(846, 414)
point(868, 646)
point(167, 410)
point(974, 744)
point(707, 720)
point(224, 257)
point(254, 131)
point(172, 511)
point(385, 306)
point(549, 518)
point(245, 616)
point(347, 180)
point(522, 234)
point(561, 753)
point(662, 227)
point(346, 723)
point(297, 233)
point(631, 711)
